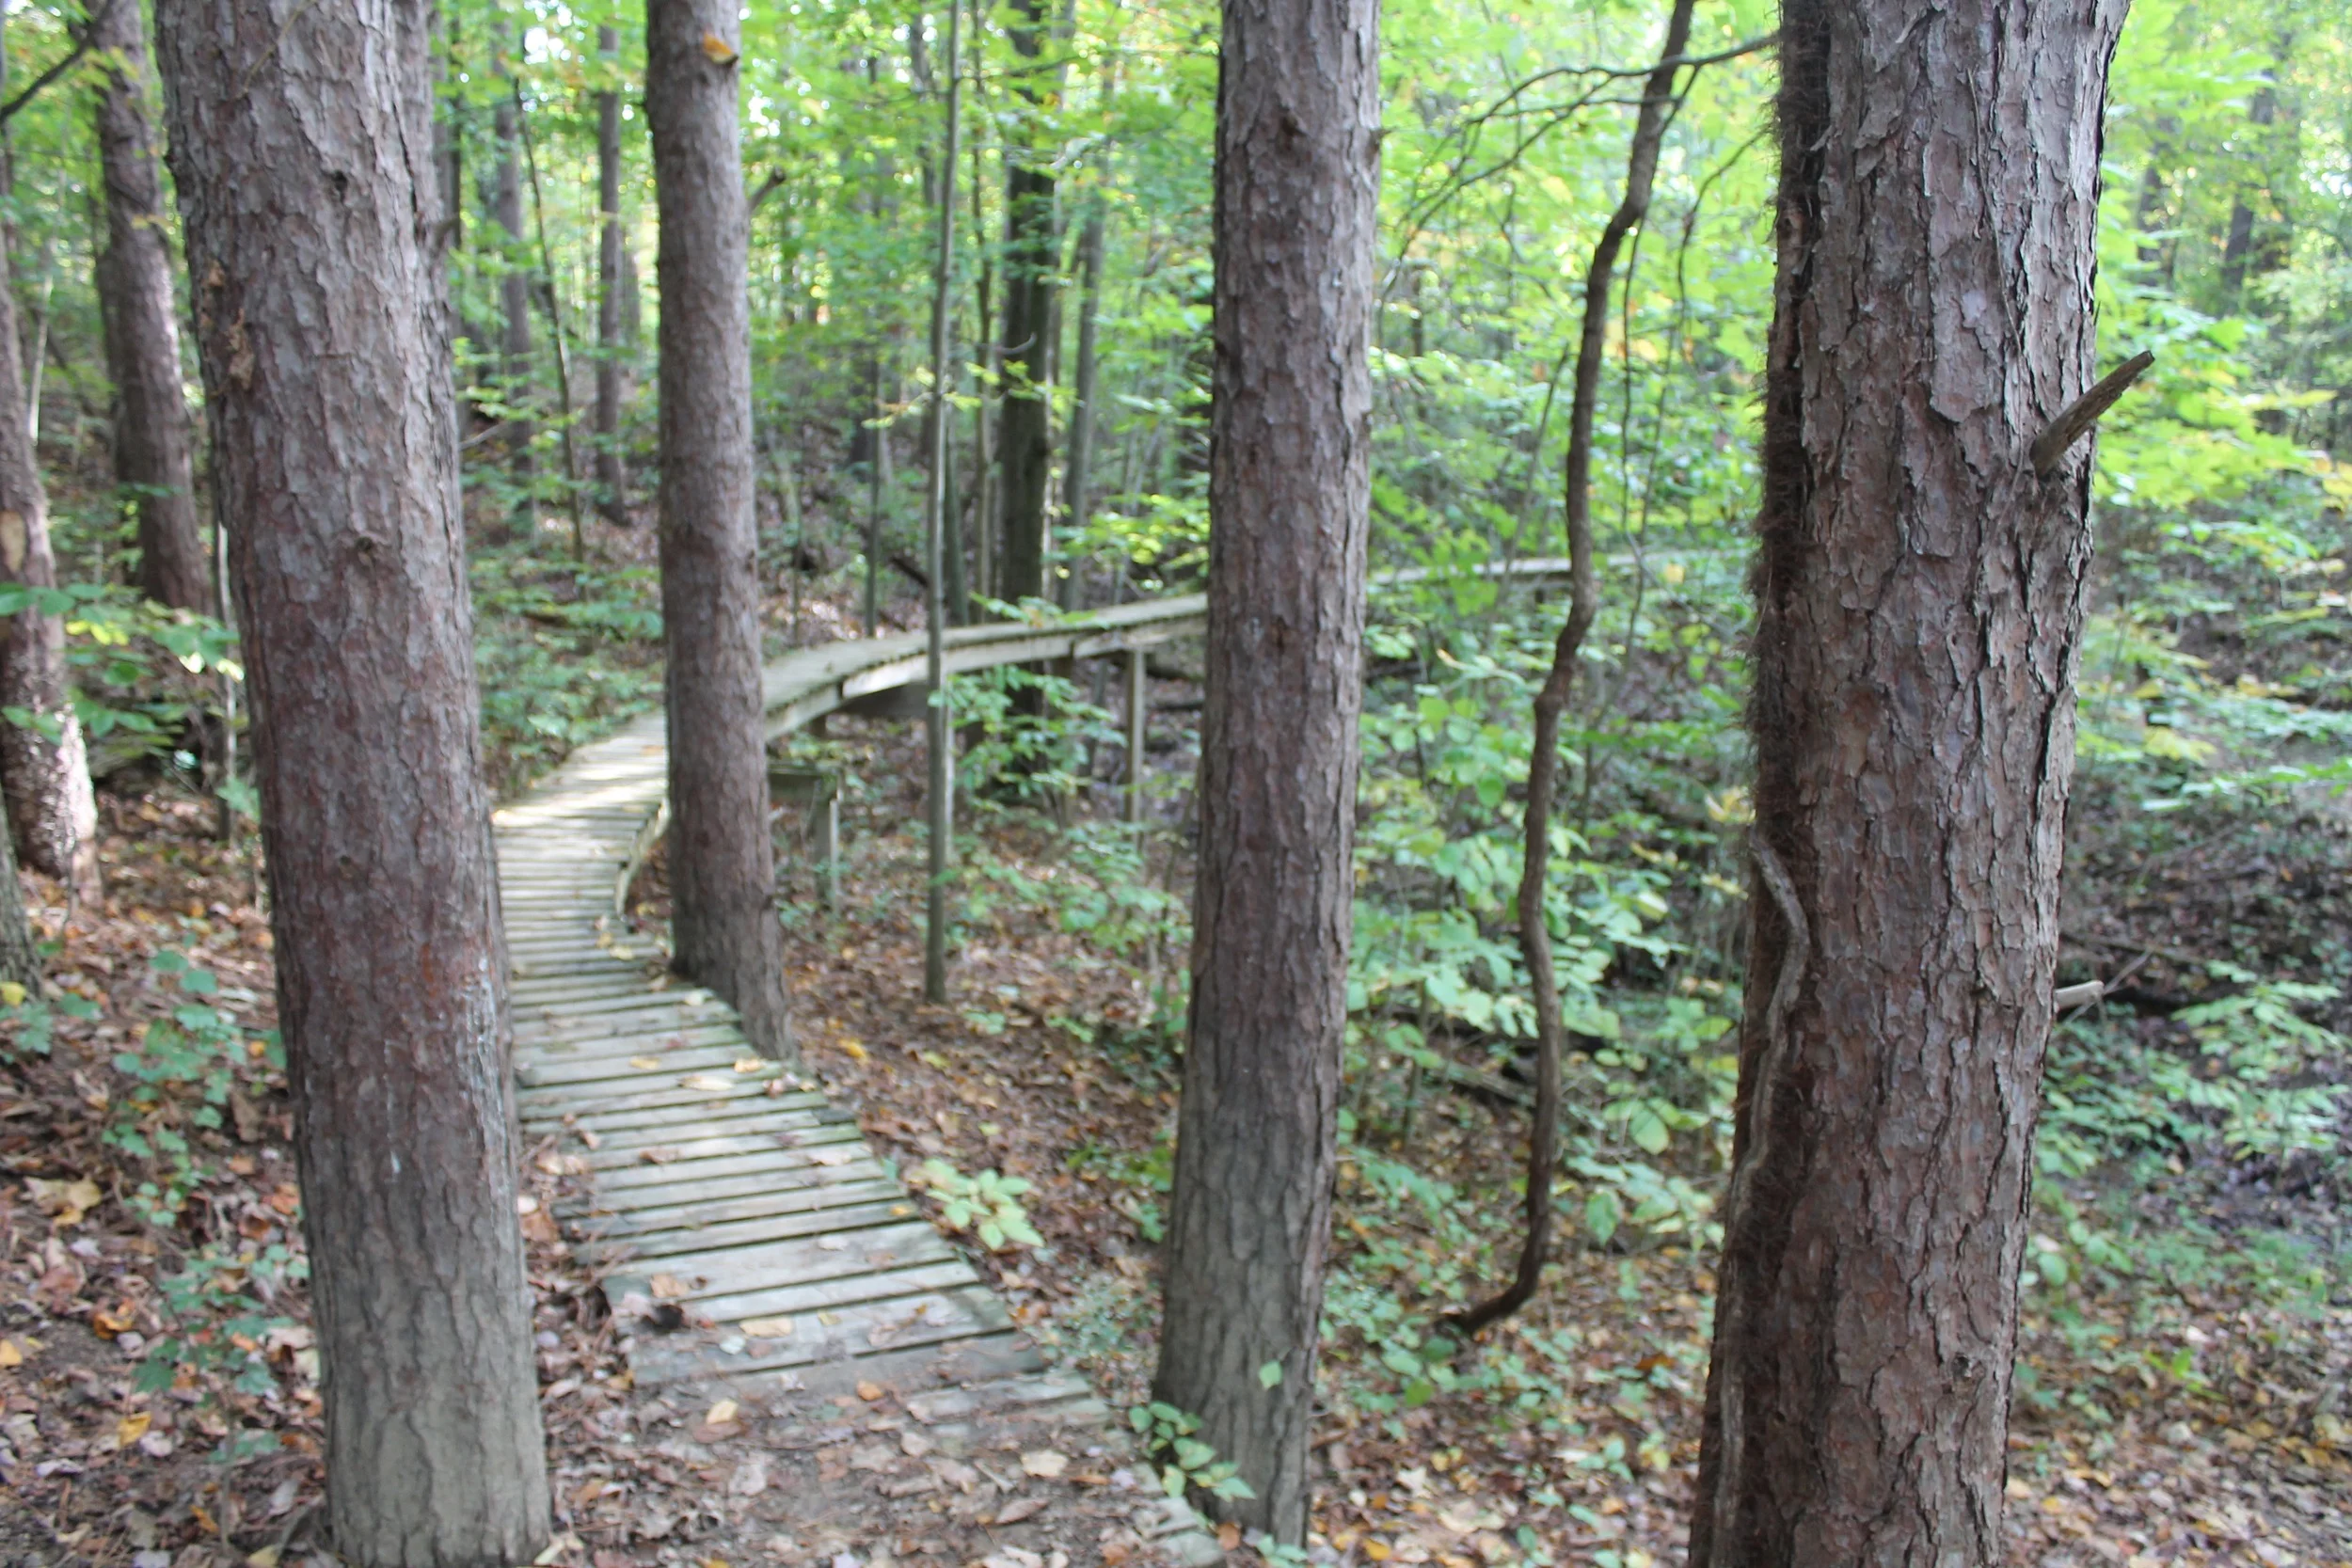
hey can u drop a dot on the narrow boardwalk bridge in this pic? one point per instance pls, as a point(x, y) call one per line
point(726, 1199)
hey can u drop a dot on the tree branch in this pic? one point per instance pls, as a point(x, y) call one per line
point(2051, 446)
point(82, 41)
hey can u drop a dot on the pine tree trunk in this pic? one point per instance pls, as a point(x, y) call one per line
point(721, 862)
point(1032, 257)
point(152, 445)
point(52, 812)
point(1920, 604)
point(612, 481)
point(313, 230)
point(1298, 165)
point(506, 212)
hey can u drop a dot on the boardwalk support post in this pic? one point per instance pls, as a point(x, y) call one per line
point(1135, 698)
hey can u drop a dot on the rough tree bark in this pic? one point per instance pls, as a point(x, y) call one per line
point(612, 481)
point(1032, 257)
point(20, 954)
point(1297, 173)
point(721, 865)
point(506, 212)
point(313, 228)
point(1920, 602)
point(152, 434)
point(52, 813)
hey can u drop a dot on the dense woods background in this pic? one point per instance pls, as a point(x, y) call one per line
point(2180, 1392)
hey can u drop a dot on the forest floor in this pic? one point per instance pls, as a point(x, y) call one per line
point(2194, 1423)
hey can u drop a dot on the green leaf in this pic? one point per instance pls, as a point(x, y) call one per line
point(1270, 1375)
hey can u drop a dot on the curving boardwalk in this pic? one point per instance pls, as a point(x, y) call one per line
point(719, 1182)
point(724, 1184)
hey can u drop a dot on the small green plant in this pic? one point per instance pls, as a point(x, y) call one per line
point(184, 1069)
point(1184, 1461)
point(988, 1205)
point(32, 1019)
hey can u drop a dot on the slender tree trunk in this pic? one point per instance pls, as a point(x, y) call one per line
point(1297, 178)
point(1032, 257)
point(1552, 700)
point(506, 212)
point(52, 812)
point(153, 441)
point(939, 735)
point(612, 481)
point(313, 225)
point(1920, 603)
point(1083, 414)
point(721, 865)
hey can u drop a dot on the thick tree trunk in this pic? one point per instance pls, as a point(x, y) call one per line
point(612, 481)
point(721, 865)
point(506, 212)
point(313, 225)
point(1032, 257)
point(1083, 412)
point(52, 813)
point(1297, 162)
point(1920, 602)
point(151, 444)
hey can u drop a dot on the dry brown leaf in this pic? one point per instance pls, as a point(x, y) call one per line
point(65, 1202)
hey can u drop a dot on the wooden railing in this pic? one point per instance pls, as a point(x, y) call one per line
point(883, 676)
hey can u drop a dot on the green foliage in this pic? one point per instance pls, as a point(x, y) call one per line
point(183, 1068)
point(1187, 1463)
point(988, 1205)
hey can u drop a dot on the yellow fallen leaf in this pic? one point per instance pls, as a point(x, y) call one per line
point(65, 1202)
point(131, 1428)
point(750, 1064)
point(869, 1392)
point(667, 1287)
point(720, 1414)
point(766, 1328)
point(9, 1355)
point(265, 1557)
point(644, 1064)
point(721, 53)
point(11, 992)
point(1045, 1464)
point(1379, 1551)
point(854, 1050)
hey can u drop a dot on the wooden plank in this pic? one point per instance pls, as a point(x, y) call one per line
point(901, 1324)
point(798, 1298)
point(561, 1100)
point(618, 1244)
point(708, 1142)
point(619, 1180)
point(673, 1066)
point(687, 1195)
point(751, 1117)
point(684, 1192)
point(652, 1121)
point(715, 1272)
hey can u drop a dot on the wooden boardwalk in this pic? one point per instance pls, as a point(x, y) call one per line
point(719, 1183)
